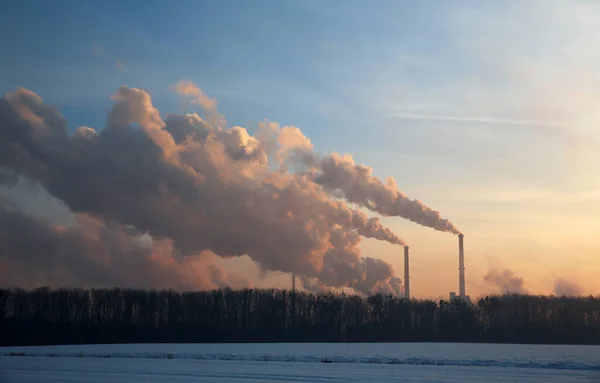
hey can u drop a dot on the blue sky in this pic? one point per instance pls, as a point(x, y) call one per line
point(484, 111)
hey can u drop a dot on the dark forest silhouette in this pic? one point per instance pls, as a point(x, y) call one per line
point(75, 316)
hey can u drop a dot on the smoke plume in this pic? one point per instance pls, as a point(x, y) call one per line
point(505, 281)
point(341, 177)
point(35, 252)
point(193, 187)
point(563, 287)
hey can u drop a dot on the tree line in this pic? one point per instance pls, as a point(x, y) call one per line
point(75, 316)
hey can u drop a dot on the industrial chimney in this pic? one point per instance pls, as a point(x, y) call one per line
point(461, 268)
point(406, 274)
point(293, 282)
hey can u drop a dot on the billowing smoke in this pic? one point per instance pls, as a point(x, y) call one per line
point(313, 285)
point(341, 177)
point(35, 251)
point(505, 281)
point(194, 187)
point(354, 182)
point(563, 287)
point(43, 243)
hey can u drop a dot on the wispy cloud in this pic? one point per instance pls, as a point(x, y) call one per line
point(98, 51)
point(121, 66)
point(483, 120)
point(188, 88)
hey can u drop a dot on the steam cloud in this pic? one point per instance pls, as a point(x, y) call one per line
point(37, 252)
point(191, 187)
point(506, 281)
point(563, 287)
point(341, 177)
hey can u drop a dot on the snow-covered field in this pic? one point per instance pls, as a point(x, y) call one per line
point(389, 362)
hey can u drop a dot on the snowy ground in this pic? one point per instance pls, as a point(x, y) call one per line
point(300, 363)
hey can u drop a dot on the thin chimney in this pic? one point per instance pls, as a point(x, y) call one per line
point(406, 274)
point(461, 268)
point(293, 282)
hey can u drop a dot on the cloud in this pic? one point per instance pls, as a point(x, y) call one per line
point(193, 187)
point(196, 96)
point(505, 281)
point(29, 198)
point(188, 88)
point(483, 120)
point(36, 252)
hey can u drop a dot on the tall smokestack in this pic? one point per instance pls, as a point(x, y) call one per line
point(406, 274)
point(293, 282)
point(461, 268)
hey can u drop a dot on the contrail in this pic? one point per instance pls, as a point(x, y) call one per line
point(483, 120)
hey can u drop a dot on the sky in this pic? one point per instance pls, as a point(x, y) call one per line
point(486, 112)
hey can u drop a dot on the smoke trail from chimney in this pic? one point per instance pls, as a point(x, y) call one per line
point(340, 176)
point(198, 186)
